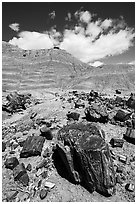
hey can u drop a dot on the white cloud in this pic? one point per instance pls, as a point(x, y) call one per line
point(106, 23)
point(85, 16)
point(93, 29)
point(32, 40)
point(96, 64)
point(14, 26)
point(95, 41)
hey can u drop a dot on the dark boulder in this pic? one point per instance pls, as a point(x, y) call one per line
point(79, 104)
point(32, 146)
point(118, 92)
point(46, 132)
point(11, 163)
point(86, 157)
point(122, 116)
point(96, 113)
point(116, 142)
point(16, 102)
point(20, 174)
point(73, 115)
point(131, 101)
point(129, 136)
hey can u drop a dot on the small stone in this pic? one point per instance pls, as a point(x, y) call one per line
point(123, 159)
point(3, 146)
point(118, 179)
point(48, 184)
point(33, 115)
point(130, 187)
point(39, 172)
point(42, 164)
point(44, 174)
point(46, 132)
point(29, 167)
point(43, 193)
point(11, 163)
point(119, 169)
point(73, 115)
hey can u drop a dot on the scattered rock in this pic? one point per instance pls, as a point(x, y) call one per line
point(79, 104)
point(95, 113)
point(43, 163)
point(130, 187)
point(33, 115)
point(119, 169)
point(11, 163)
point(32, 146)
point(86, 156)
point(73, 115)
point(129, 136)
point(3, 146)
point(16, 102)
point(46, 132)
point(131, 101)
point(20, 174)
point(12, 196)
point(122, 116)
point(118, 92)
point(44, 174)
point(49, 185)
point(29, 167)
point(116, 142)
point(43, 193)
point(123, 159)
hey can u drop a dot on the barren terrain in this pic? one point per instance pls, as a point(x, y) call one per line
point(51, 76)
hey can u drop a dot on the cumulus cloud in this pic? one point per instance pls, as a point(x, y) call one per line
point(85, 16)
point(96, 64)
point(88, 40)
point(14, 26)
point(32, 40)
point(52, 15)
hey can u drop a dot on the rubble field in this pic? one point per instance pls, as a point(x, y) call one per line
point(68, 146)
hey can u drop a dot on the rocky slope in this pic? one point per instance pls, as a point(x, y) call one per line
point(55, 68)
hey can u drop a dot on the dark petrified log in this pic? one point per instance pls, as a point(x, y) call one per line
point(86, 157)
point(122, 116)
point(32, 146)
point(96, 113)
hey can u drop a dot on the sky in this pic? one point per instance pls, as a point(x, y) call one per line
point(94, 32)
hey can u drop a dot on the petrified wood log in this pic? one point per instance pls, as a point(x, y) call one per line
point(86, 156)
point(32, 146)
point(95, 113)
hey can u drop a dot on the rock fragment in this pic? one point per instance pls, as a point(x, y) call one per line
point(3, 146)
point(32, 146)
point(11, 163)
point(20, 173)
point(43, 193)
point(46, 132)
point(116, 142)
point(73, 115)
point(96, 113)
